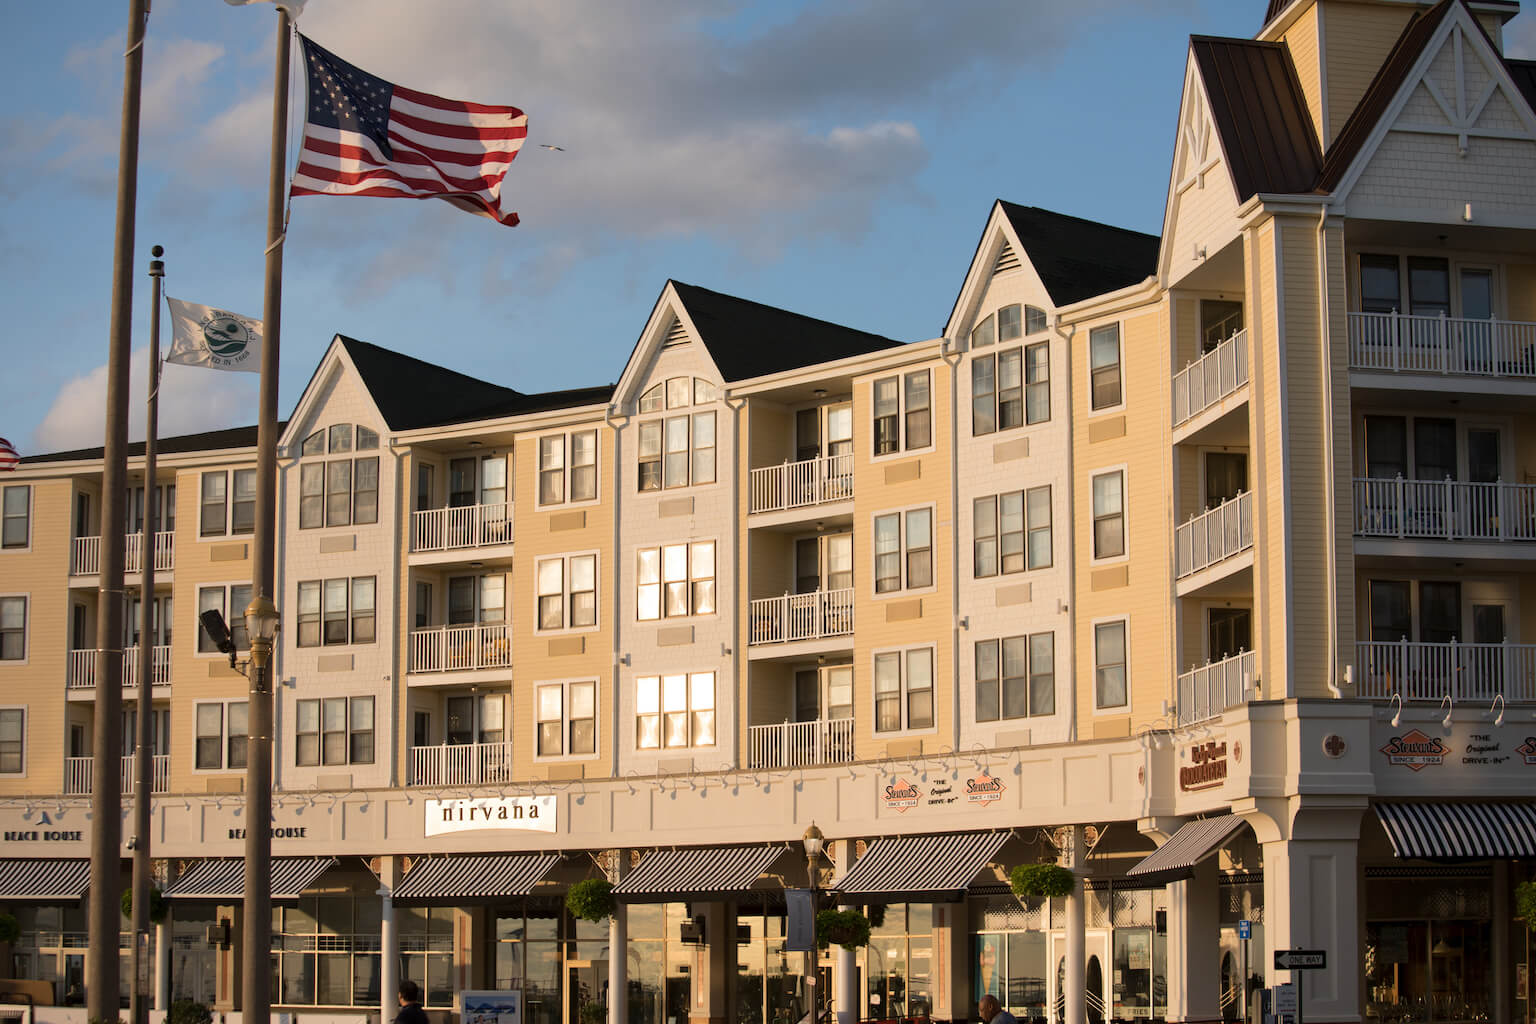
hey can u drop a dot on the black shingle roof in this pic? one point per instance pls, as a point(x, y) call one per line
point(1078, 259)
point(1524, 74)
point(748, 339)
point(212, 440)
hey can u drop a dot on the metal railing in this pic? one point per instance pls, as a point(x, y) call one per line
point(1209, 379)
point(800, 744)
point(463, 526)
point(461, 764)
point(461, 648)
point(1444, 509)
point(1214, 536)
point(82, 667)
point(79, 771)
point(85, 554)
point(822, 613)
point(1414, 670)
point(801, 484)
point(1397, 343)
point(1207, 691)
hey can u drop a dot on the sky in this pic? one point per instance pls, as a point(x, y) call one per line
point(837, 159)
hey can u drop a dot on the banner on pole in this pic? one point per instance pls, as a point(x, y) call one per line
point(215, 338)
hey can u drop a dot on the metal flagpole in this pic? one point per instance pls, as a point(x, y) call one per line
point(143, 763)
point(256, 934)
point(103, 987)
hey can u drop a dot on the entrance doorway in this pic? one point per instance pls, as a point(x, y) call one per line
point(586, 983)
point(1096, 955)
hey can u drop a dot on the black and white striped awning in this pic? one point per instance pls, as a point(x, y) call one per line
point(224, 878)
point(474, 876)
point(920, 868)
point(1460, 831)
point(44, 879)
point(696, 873)
point(1190, 844)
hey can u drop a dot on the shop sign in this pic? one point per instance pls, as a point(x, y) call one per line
point(983, 789)
point(1527, 750)
point(1207, 766)
point(901, 796)
point(278, 832)
point(1482, 748)
point(489, 813)
point(491, 1007)
point(1416, 750)
point(45, 833)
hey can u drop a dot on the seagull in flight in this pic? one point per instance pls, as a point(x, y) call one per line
point(557, 149)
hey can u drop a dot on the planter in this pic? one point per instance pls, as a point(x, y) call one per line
point(1041, 881)
point(591, 900)
point(846, 928)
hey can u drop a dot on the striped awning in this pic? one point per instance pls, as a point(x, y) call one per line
point(41, 878)
point(224, 878)
point(1461, 831)
point(1190, 844)
point(475, 876)
point(921, 868)
point(695, 873)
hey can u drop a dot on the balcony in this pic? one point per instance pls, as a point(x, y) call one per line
point(461, 528)
point(813, 616)
point(85, 556)
point(461, 648)
point(800, 744)
point(1442, 345)
point(1208, 691)
point(801, 484)
point(1209, 379)
point(1444, 510)
point(82, 667)
point(1432, 672)
point(78, 772)
point(1215, 536)
point(460, 764)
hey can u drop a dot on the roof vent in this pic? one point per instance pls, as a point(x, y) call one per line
point(678, 335)
point(1006, 260)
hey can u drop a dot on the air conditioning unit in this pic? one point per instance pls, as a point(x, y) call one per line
point(692, 931)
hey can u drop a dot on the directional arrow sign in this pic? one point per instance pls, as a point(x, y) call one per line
point(1300, 959)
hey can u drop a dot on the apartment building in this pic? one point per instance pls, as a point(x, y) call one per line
point(1200, 562)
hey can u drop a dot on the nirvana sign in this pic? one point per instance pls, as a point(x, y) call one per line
point(524, 813)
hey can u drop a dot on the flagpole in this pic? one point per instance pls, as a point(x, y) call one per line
point(103, 986)
point(143, 760)
point(257, 932)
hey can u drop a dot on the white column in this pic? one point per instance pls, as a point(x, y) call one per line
point(1194, 947)
point(163, 964)
point(389, 943)
point(1311, 901)
point(846, 963)
point(1077, 934)
point(618, 964)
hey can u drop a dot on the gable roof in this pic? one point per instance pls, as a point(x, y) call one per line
point(211, 440)
point(1260, 115)
point(749, 339)
point(1524, 74)
point(1078, 259)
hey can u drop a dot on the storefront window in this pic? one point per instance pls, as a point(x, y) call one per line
point(527, 957)
point(764, 980)
point(192, 958)
point(426, 951)
point(898, 962)
point(325, 951)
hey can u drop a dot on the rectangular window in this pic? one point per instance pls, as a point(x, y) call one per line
point(887, 415)
point(904, 690)
point(703, 448)
point(365, 490)
point(983, 395)
point(1109, 665)
point(242, 517)
point(338, 493)
point(1015, 677)
point(919, 416)
point(675, 580)
point(1380, 284)
point(1109, 515)
point(362, 609)
point(337, 611)
point(584, 465)
point(334, 731)
point(675, 462)
point(551, 470)
point(309, 614)
point(1104, 366)
point(15, 517)
point(567, 592)
point(675, 711)
point(903, 412)
point(904, 551)
point(214, 504)
point(13, 741)
point(221, 735)
point(311, 495)
point(230, 602)
point(650, 456)
point(1037, 383)
point(1010, 389)
point(13, 628)
point(567, 719)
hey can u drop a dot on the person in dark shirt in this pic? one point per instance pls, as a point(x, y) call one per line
point(992, 1011)
point(410, 1004)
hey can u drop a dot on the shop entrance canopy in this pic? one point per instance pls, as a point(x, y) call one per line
point(922, 869)
point(1460, 831)
point(1190, 844)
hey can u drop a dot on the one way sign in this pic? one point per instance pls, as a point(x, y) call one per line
point(1300, 959)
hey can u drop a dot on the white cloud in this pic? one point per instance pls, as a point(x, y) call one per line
point(192, 400)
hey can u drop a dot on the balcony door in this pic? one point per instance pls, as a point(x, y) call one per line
point(473, 599)
point(1230, 632)
point(823, 430)
point(823, 694)
point(474, 718)
point(824, 562)
point(1220, 319)
point(1226, 476)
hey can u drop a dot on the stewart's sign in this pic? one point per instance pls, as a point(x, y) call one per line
point(901, 796)
point(1416, 750)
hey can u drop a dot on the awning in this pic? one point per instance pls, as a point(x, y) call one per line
point(224, 879)
point(475, 876)
point(700, 872)
point(1190, 844)
point(921, 868)
point(43, 878)
point(1461, 831)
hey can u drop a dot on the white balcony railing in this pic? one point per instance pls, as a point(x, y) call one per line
point(1209, 379)
point(464, 526)
point(82, 667)
point(1214, 536)
point(1426, 671)
point(800, 744)
point(822, 613)
point(801, 484)
point(1396, 343)
point(1207, 691)
point(85, 558)
point(1445, 509)
point(461, 764)
point(78, 772)
point(461, 648)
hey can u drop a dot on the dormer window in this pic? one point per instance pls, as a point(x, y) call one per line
point(338, 492)
point(677, 451)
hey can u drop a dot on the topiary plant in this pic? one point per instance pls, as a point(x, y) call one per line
point(10, 929)
point(593, 1013)
point(157, 904)
point(1041, 881)
point(189, 1011)
point(846, 928)
point(1525, 903)
point(591, 900)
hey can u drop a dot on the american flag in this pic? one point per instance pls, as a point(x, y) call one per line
point(366, 137)
point(8, 456)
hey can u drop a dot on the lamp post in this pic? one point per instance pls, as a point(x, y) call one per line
point(814, 840)
point(261, 620)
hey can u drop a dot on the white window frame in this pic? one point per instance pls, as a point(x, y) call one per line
point(691, 414)
point(1029, 676)
point(25, 746)
point(350, 617)
point(27, 518)
point(1112, 710)
point(903, 552)
point(349, 730)
point(690, 581)
point(1119, 326)
point(903, 446)
point(565, 593)
point(1025, 530)
point(1125, 529)
point(690, 710)
point(567, 449)
point(903, 660)
point(224, 736)
point(228, 613)
point(994, 354)
point(26, 629)
point(228, 529)
point(565, 686)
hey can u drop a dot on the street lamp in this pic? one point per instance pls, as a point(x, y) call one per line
point(813, 839)
point(261, 620)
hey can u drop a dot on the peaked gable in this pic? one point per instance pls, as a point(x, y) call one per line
point(1260, 115)
point(1078, 259)
point(999, 253)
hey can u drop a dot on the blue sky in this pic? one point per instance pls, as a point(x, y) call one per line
point(836, 159)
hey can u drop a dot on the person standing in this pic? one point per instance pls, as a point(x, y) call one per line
point(992, 1011)
point(410, 1004)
